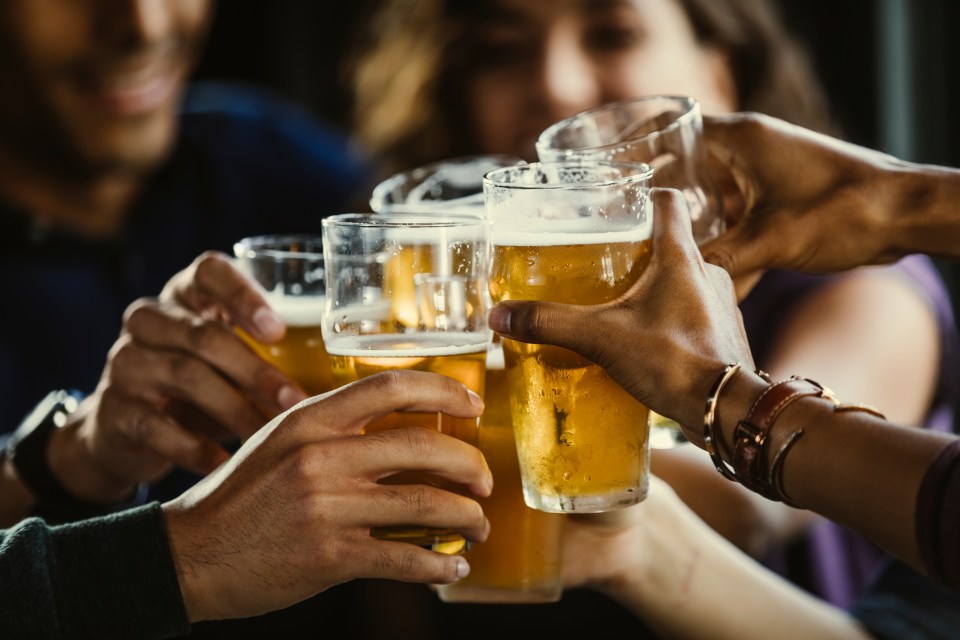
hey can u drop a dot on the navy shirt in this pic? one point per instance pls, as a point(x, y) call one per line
point(246, 162)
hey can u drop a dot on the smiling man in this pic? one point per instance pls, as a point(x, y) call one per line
point(116, 171)
point(89, 109)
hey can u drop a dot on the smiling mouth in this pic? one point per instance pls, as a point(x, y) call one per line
point(131, 90)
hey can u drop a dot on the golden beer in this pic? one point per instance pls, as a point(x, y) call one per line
point(461, 356)
point(300, 354)
point(582, 440)
point(520, 562)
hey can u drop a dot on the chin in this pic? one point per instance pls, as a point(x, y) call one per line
point(133, 146)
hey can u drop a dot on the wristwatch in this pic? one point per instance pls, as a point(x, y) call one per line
point(27, 451)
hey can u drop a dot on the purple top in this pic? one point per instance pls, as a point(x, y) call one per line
point(831, 561)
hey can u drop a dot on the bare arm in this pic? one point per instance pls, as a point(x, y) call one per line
point(802, 200)
point(666, 566)
point(681, 315)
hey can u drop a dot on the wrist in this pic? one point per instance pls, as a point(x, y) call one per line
point(195, 589)
point(16, 501)
point(32, 454)
point(77, 469)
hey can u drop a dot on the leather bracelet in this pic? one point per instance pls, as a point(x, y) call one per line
point(752, 433)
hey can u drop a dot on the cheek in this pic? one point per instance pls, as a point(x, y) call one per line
point(665, 72)
point(192, 18)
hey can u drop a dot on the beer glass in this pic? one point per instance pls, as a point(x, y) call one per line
point(423, 309)
point(289, 270)
point(577, 233)
point(521, 560)
point(454, 185)
point(665, 132)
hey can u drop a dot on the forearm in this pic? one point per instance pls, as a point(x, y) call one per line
point(703, 587)
point(109, 577)
point(851, 467)
point(926, 218)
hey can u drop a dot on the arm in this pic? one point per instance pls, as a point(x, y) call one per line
point(177, 383)
point(833, 336)
point(288, 516)
point(665, 565)
point(112, 577)
point(848, 466)
point(801, 200)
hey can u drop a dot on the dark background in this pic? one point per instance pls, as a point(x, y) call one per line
point(890, 66)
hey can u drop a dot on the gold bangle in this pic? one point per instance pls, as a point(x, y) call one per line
point(709, 417)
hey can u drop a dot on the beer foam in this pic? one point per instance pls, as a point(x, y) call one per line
point(495, 359)
point(568, 233)
point(297, 311)
point(440, 234)
point(405, 345)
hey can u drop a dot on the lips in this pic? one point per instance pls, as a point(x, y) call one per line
point(131, 90)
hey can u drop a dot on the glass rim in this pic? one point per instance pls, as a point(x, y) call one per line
point(691, 103)
point(380, 194)
point(642, 172)
point(253, 247)
point(405, 219)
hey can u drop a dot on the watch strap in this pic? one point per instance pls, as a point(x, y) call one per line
point(27, 451)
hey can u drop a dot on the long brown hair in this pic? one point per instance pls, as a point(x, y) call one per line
point(407, 74)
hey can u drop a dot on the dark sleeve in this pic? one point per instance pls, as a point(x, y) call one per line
point(902, 604)
point(108, 577)
point(938, 518)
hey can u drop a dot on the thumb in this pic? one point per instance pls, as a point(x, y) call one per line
point(740, 253)
point(563, 325)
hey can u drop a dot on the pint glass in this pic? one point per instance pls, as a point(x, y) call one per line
point(408, 292)
point(575, 233)
point(289, 269)
point(454, 185)
point(521, 560)
point(665, 132)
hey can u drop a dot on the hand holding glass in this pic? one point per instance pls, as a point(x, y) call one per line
point(408, 292)
point(576, 233)
point(289, 269)
point(665, 132)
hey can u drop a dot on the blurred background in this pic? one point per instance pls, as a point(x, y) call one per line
point(890, 66)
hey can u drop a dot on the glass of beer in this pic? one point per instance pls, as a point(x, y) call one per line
point(454, 185)
point(665, 132)
point(578, 233)
point(289, 270)
point(521, 560)
point(408, 291)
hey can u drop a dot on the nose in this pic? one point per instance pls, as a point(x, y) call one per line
point(569, 80)
point(133, 23)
